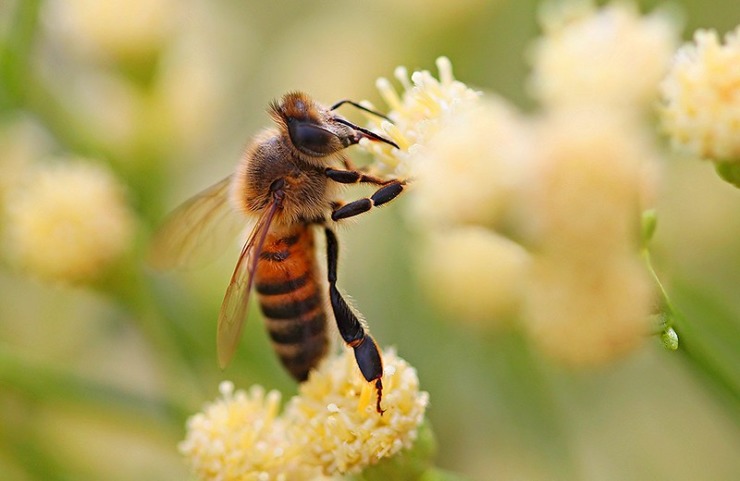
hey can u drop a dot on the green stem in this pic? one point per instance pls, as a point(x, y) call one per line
point(666, 302)
point(696, 347)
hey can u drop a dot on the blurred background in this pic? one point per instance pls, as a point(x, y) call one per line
point(98, 376)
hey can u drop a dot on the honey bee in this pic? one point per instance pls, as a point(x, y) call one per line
point(288, 179)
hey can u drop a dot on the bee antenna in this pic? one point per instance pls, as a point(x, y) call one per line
point(368, 133)
point(361, 107)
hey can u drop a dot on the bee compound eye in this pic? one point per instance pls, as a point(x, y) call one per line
point(310, 138)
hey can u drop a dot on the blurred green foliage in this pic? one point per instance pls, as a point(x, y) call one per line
point(96, 381)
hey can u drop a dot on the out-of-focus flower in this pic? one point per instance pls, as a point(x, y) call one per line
point(586, 199)
point(68, 221)
point(589, 298)
point(334, 420)
point(568, 187)
point(241, 437)
point(468, 159)
point(701, 97)
point(473, 168)
point(119, 29)
point(418, 114)
point(609, 56)
point(585, 314)
point(474, 274)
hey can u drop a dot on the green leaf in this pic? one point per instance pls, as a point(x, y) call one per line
point(729, 171)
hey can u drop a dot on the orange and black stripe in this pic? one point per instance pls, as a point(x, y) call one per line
point(291, 299)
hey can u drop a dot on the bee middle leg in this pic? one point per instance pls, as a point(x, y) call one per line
point(350, 328)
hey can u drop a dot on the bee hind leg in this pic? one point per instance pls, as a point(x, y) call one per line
point(350, 328)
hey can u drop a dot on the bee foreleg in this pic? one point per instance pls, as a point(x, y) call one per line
point(350, 328)
point(387, 193)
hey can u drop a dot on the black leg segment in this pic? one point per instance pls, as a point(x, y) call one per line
point(389, 191)
point(352, 209)
point(386, 194)
point(354, 177)
point(350, 328)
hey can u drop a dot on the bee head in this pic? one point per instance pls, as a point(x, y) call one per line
point(315, 130)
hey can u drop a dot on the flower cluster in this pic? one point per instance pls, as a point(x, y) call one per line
point(330, 428)
point(240, 436)
point(589, 298)
point(701, 97)
point(418, 114)
point(590, 56)
point(540, 214)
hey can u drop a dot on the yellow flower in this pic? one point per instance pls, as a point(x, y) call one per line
point(482, 158)
point(417, 114)
point(474, 274)
point(585, 314)
point(69, 221)
point(117, 28)
point(333, 419)
point(568, 187)
point(241, 437)
point(479, 149)
point(589, 299)
point(586, 199)
point(701, 97)
point(612, 55)
point(331, 427)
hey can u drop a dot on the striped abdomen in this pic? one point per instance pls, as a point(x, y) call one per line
point(291, 299)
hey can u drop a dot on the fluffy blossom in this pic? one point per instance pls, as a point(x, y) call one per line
point(334, 420)
point(701, 97)
point(241, 437)
point(567, 187)
point(588, 314)
point(587, 194)
point(612, 55)
point(418, 113)
point(474, 274)
point(589, 299)
point(481, 157)
point(69, 221)
point(331, 427)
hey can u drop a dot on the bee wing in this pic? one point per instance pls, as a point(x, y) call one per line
point(236, 301)
point(198, 231)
